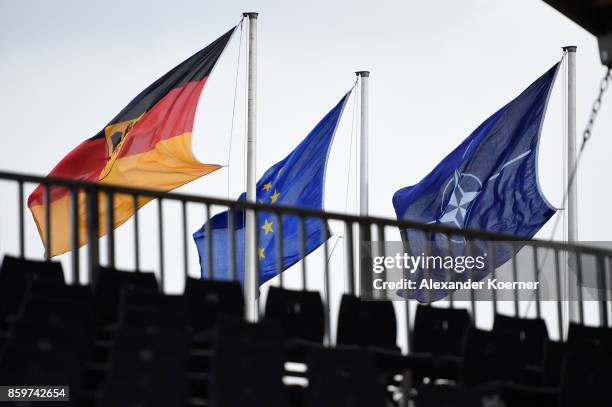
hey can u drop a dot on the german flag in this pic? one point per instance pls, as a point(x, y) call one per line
point(147, 145)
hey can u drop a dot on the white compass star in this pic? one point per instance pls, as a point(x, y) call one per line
point(458, 204)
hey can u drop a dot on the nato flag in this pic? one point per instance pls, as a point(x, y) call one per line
point(297, 181)
point(488, 183)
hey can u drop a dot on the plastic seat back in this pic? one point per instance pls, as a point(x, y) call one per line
point(532, 333)
point(208, 299)
point(300, 313)
point(343, 377)
point(585, 380)
point(440, 331)
point(108, 286)
point(366, 323)
point(247, 359)
point(490, 356)
point(15, 273)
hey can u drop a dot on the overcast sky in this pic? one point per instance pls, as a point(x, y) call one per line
point(438, 70)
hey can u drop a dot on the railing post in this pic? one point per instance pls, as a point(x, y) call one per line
point(21, 221)
point(93, 232)
point(160, 225)
point(578, 257)
point(350, 259)
point(365, 276)
point(426, 270)
point(515, 294)
point(492, 261)
point(136, 234)
point(559, 297)
point(110, 228)
point(185, 251)
point(470, 253)
point(449, 275)
point(47, 203)
point(257, 275)
point(75, 234)
point(536, 274)
point(602, 292)
point(278, 218)
point(326, 281)
point(231, 225)
point(210, 263)
point(380, 230)
point(302, 237)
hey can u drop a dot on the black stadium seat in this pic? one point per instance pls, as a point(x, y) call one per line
point(439, 331)
point(300, 313)
point(585, 381)
point(532, 335)
point(146, 374)
point(589, 338)
point(366, 323)
point(150, 350)
point(108, 286)
point(15, 273)
point(490, 357)
point(439, 334)
point(247, 359)
point(344, 377)
point(580, 338)
point(531, 332)
point(207, 300)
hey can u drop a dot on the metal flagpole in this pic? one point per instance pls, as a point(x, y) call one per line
point(571, 161)
point(251, 280)
point(572, 194)
point(363, 173)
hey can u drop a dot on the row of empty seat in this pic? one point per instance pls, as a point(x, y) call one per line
point(123, 343)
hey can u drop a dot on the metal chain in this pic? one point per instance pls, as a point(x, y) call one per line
point(605, 83)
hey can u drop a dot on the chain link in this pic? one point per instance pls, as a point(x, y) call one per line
point(603, 87)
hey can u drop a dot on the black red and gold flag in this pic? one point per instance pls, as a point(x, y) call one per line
point(147, 145)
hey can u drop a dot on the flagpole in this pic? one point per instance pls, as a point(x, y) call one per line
point(363, 170)
point(572, 191)
point(250, 273)
point(572, 175)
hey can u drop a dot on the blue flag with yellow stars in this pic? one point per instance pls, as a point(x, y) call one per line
point(297, 181)
point(488, 183)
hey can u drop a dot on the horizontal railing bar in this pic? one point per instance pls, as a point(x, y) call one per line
point(304, 212)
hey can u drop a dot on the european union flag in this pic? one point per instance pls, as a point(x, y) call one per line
point(297, 181)
point(488, 183)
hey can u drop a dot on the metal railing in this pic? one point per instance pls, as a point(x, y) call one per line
point(375, 227)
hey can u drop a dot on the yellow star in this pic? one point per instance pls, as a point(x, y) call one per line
point(274, 196)
point(267, 186)
point(267, 227)
point(261, 253)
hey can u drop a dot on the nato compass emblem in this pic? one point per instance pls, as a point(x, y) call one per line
point(457, 197)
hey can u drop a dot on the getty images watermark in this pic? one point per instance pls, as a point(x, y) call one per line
point(482, 271)
point(431, 264)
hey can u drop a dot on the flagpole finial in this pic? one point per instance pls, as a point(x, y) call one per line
point(250, 14)
point(363, 74)
point(569, 48)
